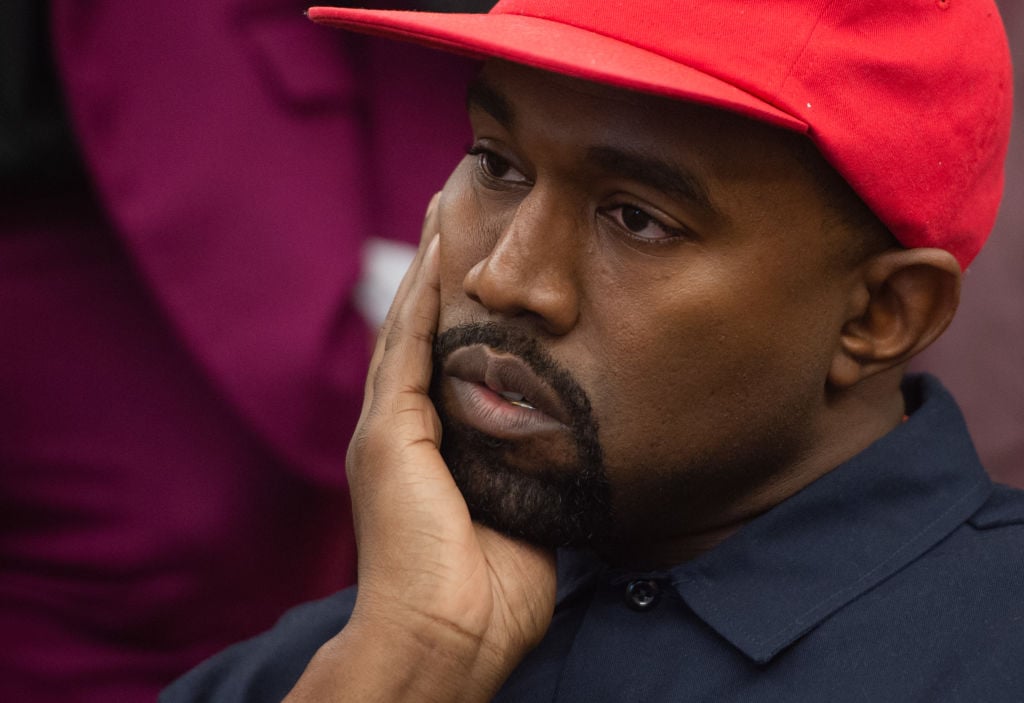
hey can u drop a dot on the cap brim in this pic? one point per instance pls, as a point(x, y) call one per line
point(559, 48)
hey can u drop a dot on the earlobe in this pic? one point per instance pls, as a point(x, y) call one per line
point(903, 301)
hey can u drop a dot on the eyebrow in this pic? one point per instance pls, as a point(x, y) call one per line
point(664, 176)
point(659, 174)
point(483, 95)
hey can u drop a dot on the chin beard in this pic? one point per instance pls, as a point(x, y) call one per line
point(551, 506)
point(565, 506)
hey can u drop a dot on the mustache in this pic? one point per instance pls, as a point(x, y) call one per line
point(519, 343)
point(554, 506)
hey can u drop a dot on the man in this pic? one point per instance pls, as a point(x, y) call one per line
point(659, 324)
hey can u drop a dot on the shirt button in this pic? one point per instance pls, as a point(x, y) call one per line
point(642, 594)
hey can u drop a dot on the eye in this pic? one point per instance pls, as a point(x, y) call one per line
point(642, 225)
point(495, 167)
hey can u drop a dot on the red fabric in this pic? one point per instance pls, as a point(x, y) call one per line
point(910, 101)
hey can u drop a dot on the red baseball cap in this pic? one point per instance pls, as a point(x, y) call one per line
point(910, 100)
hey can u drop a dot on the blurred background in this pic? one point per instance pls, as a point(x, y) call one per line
point(204, 209)
point(981, 357)
point(191, 197)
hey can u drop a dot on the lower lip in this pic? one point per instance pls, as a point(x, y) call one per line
point(481, 408)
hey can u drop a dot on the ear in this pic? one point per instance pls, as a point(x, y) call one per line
point(903, 301)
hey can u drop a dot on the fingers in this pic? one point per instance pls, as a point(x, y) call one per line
point(408, 342)
point(400, 371)
point(428, 232)
point(430, 228)
point(397, 411)
point(430, 221)
point(396, 441)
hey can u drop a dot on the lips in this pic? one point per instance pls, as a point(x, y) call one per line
point(501, 395)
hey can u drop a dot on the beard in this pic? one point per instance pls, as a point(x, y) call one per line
point(554, 505)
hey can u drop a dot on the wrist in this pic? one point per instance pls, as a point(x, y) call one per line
point(416, 658)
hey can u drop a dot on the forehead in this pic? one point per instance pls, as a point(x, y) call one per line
point(742, 169)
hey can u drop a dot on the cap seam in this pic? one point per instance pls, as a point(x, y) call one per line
point(803, 50)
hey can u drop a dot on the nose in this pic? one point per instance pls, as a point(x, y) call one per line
point(532, 268)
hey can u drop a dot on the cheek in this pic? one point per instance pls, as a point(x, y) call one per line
point(682, 381)
point(660, 375)
point(653, 369)
point(464, 241)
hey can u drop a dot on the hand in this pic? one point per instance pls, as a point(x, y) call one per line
point(446, 608)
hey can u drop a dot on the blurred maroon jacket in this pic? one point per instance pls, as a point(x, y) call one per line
point(181, 363)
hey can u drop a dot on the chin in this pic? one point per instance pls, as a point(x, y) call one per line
point(551, 507)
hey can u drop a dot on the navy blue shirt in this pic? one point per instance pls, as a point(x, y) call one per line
point(898, 576)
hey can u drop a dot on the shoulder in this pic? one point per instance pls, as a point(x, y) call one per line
point(976, 574)
point(266, 667)
point(1003, 509)
point(955, 615)
point(987, 551)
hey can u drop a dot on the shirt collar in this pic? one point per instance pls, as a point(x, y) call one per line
point(791, 568)
point(794, 566)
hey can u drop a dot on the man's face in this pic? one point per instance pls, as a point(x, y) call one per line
point(639, 306)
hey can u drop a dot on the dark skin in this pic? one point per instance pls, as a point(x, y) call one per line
point(735, 338)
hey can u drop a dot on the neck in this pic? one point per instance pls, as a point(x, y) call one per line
point(847, 424)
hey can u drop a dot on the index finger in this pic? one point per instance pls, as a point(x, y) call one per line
point(427, 233)
point(403, 356)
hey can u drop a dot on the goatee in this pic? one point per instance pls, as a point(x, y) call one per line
point(552, 506)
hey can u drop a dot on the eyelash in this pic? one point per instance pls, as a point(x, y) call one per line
point(672, 233)
point(482, 154)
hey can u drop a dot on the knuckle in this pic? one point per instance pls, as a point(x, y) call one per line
point(367, 442)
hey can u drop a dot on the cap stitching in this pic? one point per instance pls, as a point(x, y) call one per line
point(803, 50)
